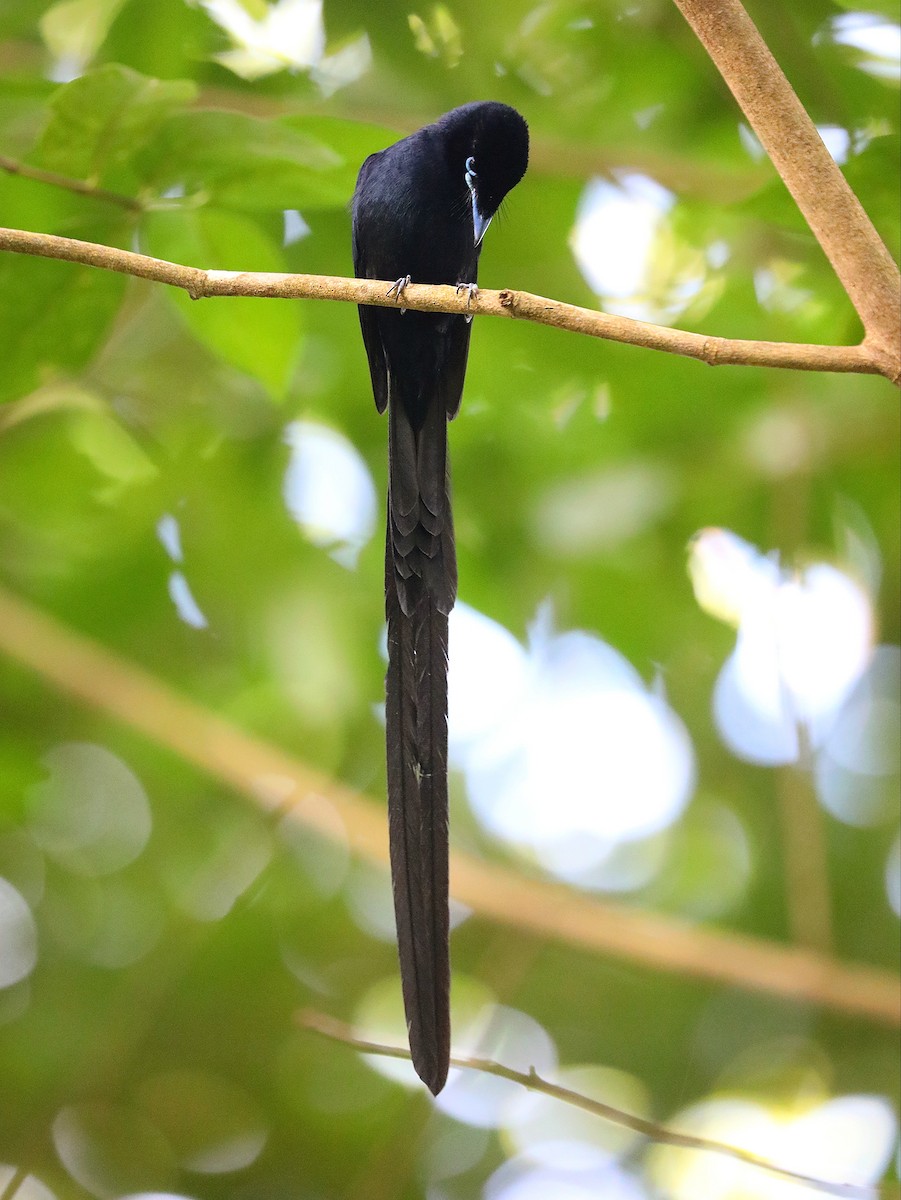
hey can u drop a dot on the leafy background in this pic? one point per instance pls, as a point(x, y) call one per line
point(152, 1046)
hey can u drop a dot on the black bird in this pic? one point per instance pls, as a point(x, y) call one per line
point(420, 211)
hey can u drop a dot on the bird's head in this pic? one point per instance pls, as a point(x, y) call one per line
point(488, 145)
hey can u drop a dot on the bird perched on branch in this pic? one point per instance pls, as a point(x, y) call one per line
point(420, 210)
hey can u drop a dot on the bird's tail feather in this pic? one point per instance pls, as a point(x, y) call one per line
point(420, 523)
point(416, 687)
point(420, 582)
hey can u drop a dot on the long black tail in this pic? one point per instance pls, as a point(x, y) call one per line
point(416, 687)
point(420, 584)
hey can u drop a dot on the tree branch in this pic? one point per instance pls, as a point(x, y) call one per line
point(199, 283)
point(275, 781)
point(81, 187)
point(13, 1184)
point(835, 215)
point(337, 1031)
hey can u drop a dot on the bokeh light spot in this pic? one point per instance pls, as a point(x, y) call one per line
point(837, 141)
point(109, 922)
point(877, 40)
point(213, 1126)
point(576, 755)
point(599, 512)
point(848, 1139)
point(454, 1150)
point(519, 1179)
point(18, 936)
point(328, 490)
point(616, 227)
point(488, 670)
point(156, 1196)
point(709, 864)
point(271, 37)
point(858, 768)
point(185, 605)
point(893, 876)
point(169, 533)
point(92, 814)
point(110, 1149)
point(804, 640)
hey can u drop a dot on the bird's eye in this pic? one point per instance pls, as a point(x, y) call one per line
point(471, 167)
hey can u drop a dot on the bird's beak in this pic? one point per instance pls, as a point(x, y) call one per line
point(479, 223)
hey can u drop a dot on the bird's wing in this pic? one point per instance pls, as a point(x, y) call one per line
point(372, 338)
point(375, 351)
point(456, 349)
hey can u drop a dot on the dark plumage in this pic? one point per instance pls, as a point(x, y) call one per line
point(420, 209)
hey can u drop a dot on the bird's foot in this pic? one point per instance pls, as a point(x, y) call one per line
point(472, 289)
point(398, 288)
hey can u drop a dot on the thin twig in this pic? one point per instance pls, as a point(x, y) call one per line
point(835, 215)
point(200, 283)
point(13, 1184)
point(275, 780)
point(81, 187)
point(338, 1031)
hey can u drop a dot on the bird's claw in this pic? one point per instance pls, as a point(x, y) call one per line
point(471, 289)
point(398, 288)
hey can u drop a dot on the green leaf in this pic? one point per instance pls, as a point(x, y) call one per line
point(168, 39)
point(99, 120)
point(53, 316)
point(260, 336)
point(244, 162)
point(351, 141)
point(110, 448)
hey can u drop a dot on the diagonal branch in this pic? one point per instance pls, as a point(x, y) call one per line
point(81, 187)
point(274, 780)
point(199, 283)
point(15, 1181)
point(835, 215)
point(337, 1031)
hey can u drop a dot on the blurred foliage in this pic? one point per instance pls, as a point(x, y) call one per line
point(159, 1015)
